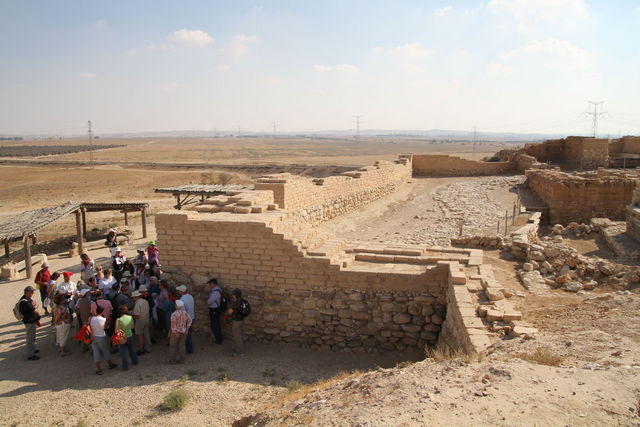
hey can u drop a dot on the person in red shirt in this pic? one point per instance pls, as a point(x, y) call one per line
point(42, 282)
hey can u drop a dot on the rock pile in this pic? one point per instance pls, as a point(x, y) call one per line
point(549, 262)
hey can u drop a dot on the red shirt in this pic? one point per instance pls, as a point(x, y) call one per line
point(43, 276)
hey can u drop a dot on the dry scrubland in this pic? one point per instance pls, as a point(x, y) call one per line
point(581, 369)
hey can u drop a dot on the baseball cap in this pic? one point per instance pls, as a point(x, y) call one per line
point(29, 289)
point(67, 274)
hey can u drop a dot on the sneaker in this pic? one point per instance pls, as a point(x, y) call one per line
point(34, 357)
point(36, 351)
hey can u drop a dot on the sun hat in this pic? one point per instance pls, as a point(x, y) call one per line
point(143, 288)
point(44, 264)
point(83, 292)
point(67, 273)
point(127, 274)
point(141, 250)
point(111, 230)
point(181, 288)
point(179, 304)
point(136, 294)
point(152, 243)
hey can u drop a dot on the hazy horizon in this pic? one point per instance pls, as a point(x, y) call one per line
point(507, 66)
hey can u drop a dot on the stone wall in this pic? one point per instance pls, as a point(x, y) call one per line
point(575, 150)
point(625, 145)
point(633, 216)
point(297, 298)
point(444, 165)
point(571, 197)
point(319, 199)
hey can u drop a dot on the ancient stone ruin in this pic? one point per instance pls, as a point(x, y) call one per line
point(324, 292)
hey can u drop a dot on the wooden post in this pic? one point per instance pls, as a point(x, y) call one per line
point(143, 214)
point(498, 226)
point(513, 221)
point(7, 250)
point(506, 220)
point(126, 218)
point(84, 222)
point(460, 228)
point(27, 257)
point(79, 234)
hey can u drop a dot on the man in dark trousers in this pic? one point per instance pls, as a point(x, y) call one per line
point(217, 305)
point(30, 318)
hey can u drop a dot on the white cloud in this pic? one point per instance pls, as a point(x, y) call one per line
point(169, 87)
point(347, 68)
point(637, 9)
point(100, 24)
point(526, 14)
point(377, 49)
point(240, 44)
point(553, 53)
point(413, 50)
point(272, 81)
point(443, 11)
point(190, 37)
point(460, 52)
point(88, 76)
point(496, 69)
point(318, 92)
point(593, 76)
point(132, 52)
point(222, 67)
point(412, 68)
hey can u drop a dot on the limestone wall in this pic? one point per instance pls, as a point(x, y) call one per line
point(576, 150)
point(576, 198)
point(625, 145)
point(444, 165)
point(300, 299)
point(320, 199)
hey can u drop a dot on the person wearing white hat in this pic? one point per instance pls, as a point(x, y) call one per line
point(190, 308)
point(42, 282)
point(180, 325)
point(142, 317)
point(110, 239)
point(118, 264)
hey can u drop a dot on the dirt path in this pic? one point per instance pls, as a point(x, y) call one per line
point(429, 210)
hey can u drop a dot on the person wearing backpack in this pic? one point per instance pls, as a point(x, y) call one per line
point(26, 311)
point(217, 303)
point(238, 311)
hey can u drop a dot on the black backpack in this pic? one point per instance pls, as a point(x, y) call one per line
point(245, 309)
point(224, 301)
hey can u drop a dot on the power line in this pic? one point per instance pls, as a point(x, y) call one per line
point(595, 115)
point(358, 120)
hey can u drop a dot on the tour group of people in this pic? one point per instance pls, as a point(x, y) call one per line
point(124, 307)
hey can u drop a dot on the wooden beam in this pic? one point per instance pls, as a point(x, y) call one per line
point(79, 234)
point(143, 214)
point(84, 222)
point(7, 250)
point(27, 257)
point(126, 218)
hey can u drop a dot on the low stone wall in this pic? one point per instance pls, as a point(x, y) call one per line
point(444, 165)
point(576, 150)
point(295, 298)
point(625, 145)
point(577, 198)
point(318, 199)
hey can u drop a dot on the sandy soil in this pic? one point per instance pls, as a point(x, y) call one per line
point(134, 397)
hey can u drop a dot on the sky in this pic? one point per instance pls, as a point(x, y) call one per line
point(498, 65)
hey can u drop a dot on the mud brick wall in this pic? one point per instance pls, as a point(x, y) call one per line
point(444, 165)
point(296, 298)
point(626, 145)
point(633, 216)
point(320, 199)
point(589, 152)
point(575, 198)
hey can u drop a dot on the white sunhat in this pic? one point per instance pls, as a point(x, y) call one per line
point(143, 288)
point(136, 294)
point(179, 304)
point(181, 288)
